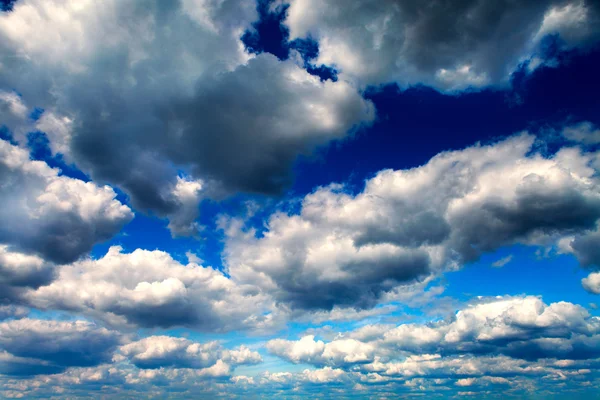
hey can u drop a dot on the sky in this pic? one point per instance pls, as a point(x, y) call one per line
point(329, 199)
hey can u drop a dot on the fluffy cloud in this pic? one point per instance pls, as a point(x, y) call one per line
point(445, 44)
point(347, 249)
point(136, 100)
point(166, 351)
point(54, 216)
point(30, 347)
point(151, 289)
point(520, 328)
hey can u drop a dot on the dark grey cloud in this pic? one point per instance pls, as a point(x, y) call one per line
point(447, 44)
point(43, 346)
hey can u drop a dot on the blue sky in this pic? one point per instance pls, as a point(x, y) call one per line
point(299, 199)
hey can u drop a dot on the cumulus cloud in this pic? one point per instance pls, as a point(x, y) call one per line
point(346, 249)
point(518, 327)
point(445, 44)
point(30, 346)
point(136, 100)
point(151, 289)
point(54, 216)
point(167, 351)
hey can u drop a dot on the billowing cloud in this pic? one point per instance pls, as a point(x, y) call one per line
point(53, 216)
point(134, 101)
point(31, 347)
point(346, 249)
point(167, 351)
point(151, 289)
point(446, 44)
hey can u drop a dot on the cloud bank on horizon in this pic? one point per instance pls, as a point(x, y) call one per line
point(170, 227)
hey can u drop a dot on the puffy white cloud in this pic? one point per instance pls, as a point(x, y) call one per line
point(347, 250)
point(151, 289)
point(168, 351)
point(54, 216)
point(445, 44)
point(31, 347)
point(138, 91)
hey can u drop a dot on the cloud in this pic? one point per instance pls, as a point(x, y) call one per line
point(592, 283)
point(584, 132)
point(518, 327)
point(166, 351)
point(347, 250)
point(12, 311)
point(138, 100)
point(151, 289)
point(31, 347)
point(502, 262)
point(445, 44)
point(20, 271)
point(339, 352)
point(56, 217)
